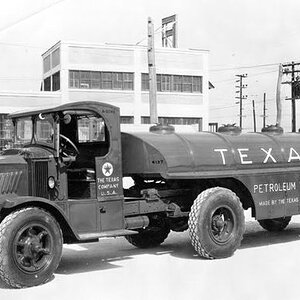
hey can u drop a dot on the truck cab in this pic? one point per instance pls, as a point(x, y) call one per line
point(73, 154)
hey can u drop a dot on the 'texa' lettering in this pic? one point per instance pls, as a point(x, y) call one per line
point(245, 160)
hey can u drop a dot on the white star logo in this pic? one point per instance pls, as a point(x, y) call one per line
point(107, 169)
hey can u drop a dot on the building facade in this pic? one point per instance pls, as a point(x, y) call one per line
point(118, 74)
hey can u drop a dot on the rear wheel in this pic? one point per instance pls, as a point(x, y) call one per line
point(277, 224)
point(30, 247)
point(152, 236)
point(216, 223)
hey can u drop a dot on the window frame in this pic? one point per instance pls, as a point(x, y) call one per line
point(174, 83)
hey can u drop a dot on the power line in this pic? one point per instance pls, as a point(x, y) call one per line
point(20, 45)
point(249, 75)
point(155, 32)
point(29, 16)
point(244, 67)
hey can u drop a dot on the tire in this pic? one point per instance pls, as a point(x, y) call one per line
point(152, 236)
point(216, 223)
point(277, 224)
point(30, 247)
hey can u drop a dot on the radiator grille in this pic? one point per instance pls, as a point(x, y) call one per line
point(9, 182)
point(39, 179)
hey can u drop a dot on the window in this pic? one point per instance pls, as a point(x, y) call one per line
point(85, 79)
point(127, 81)
point(187, 84)
point(95, 80)
point(55, 58)
point(107, 80)
point(6, 131)
point(46, 64)
point(74, 79)
point(56, 81)
point(145, 82)
point(101, 80)
point(174, 83)
point(117, 81)
point(47, 84)
point(158, 81)
point(44, 130)
point(176, 121)
point(197, 84)
point(23, 130)
point(91, 129)
point(177, 83)
point(165, 83)
point(126, 119)
point(213, 127)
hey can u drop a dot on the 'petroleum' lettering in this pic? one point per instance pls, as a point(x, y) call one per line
point(274, 187)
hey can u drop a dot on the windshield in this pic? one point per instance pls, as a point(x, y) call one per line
point(43, 133)
point(23, 131)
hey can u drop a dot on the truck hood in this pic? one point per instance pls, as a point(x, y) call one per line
point(13, 175)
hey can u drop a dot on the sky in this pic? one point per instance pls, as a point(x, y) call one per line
point(242, 36)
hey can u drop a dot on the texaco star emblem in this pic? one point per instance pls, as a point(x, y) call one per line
point(107, 169)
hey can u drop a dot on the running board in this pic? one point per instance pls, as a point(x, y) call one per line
point(105, 234)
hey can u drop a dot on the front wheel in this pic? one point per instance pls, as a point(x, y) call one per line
point(216, 223)
point(30, 247)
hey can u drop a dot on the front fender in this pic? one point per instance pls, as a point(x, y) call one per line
point(9, 203)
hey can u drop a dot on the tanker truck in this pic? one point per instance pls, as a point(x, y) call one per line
point(62, 183)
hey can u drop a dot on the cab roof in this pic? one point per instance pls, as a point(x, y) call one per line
point(94, 106)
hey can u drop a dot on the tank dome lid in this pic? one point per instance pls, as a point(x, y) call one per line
point(272, 129)
point(230, 129)
point(162, 129)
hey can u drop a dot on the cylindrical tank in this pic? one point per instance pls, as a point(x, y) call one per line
point(207, 154)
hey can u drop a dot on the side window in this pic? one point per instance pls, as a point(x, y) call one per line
point(91, 129)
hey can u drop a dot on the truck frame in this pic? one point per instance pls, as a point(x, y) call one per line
point(62, 182)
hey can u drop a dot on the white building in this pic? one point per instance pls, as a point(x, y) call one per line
point(118, 74)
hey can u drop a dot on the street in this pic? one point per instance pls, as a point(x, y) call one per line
point(265, 267)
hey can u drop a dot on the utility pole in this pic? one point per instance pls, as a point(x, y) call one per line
point(290, 69)
point(152, 74)
point(241, 97)
point(254, 116)
point(264, 112)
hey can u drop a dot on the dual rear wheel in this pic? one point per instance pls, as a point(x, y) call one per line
point(216, 223)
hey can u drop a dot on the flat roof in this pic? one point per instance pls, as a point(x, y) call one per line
point(116, 45)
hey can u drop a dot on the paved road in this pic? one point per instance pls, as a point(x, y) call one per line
point(267, 266)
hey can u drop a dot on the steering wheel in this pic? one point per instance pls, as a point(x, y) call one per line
point(65, 150)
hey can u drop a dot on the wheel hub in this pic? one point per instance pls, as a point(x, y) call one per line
point(32, 249)
point(222, 225)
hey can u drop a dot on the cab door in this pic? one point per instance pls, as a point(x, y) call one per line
point(109, 187)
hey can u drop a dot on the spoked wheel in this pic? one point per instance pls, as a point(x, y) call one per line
point(30, 247)
point(216, 223)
